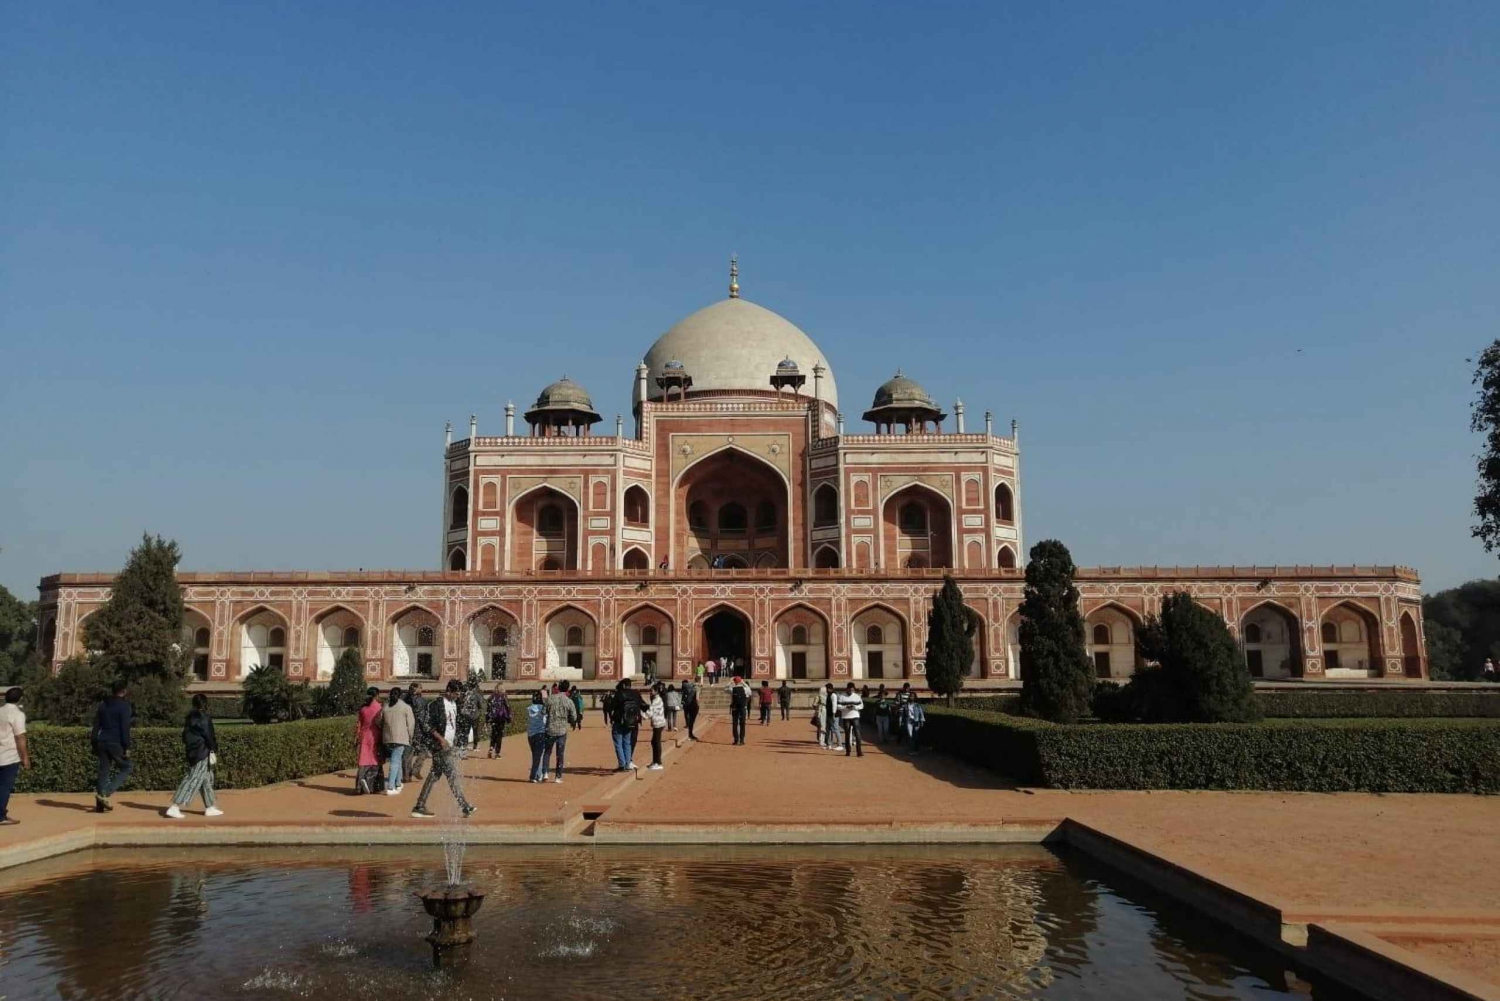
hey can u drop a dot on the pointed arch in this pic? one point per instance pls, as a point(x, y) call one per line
point(457, 561)
point(493, 633)
point(1411, 646)
point(1005, 503)
point(330, 633)
point(635, 558)
point(530, 542)
point(197, 635)
point(827, 557)
point(802, 633)
point(700, 501)
point(458, 508)
point(910, 542)
point(1271, 636)
point(417, 641)
point(648, 638)
point(825, 506)
point(1355, 651)
point(1005, 559)
point(637, 506)
point(569, 655)
point(1116, 655)
point(882, 656)
point(261, 636)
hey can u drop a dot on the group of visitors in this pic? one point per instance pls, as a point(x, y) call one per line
point(549, 719)
point(409, 731)
point(713, 669)
point(626, 709)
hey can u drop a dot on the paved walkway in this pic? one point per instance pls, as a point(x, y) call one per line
point(1422, 871)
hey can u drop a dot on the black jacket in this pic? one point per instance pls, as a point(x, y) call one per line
point(112, 722)
point(198, 737)
point(437, 721)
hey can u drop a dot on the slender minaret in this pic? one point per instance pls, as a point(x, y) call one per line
point(641, 371)
point(958, 415)
point(841, 423)
point(989, 423)
point(619, 426)
point(510, 418)
point(1015, 431)
point(473, 428)
point(447, 435)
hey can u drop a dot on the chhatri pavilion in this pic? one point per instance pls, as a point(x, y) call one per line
point(737, 516)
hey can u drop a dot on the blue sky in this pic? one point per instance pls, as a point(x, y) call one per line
point(1224, 262)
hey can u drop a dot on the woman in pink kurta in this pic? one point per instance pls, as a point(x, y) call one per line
point(365, 780)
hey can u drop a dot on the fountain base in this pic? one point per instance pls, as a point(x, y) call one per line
point(451, 908)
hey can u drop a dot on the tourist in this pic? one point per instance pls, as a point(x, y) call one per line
point(663, 564)
point(202, 749)
point(883, 707)
point(536, 733)
point(904, 700)
point(698, 672)
point(820, 719)
point(366, 736)
point(739, 708)
point(1488, 674)
point(784, 699)
point(498, 715)
point(690, 702)
point(606, 706)
point(420, 753)
point(656, 712)
point(850, 705)
point(13, 753)
point(397, 725)
point(864, 693)
point(831, 715)
point(712, 670)
point(626, 726)
point(111, 740)
point(767, 700)
point(561, 715)
point(915, 717)
point(674, 706)
point(577, 694)
point(443, 736)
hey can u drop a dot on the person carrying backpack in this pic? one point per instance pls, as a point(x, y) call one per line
point(578, 705)
point(690, 702)
point(498, 714)
point(626, 728)
point(739, 708)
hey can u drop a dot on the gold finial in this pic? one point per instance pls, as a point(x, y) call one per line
point(734, 276)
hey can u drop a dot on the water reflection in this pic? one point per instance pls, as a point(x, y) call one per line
point(573, 923)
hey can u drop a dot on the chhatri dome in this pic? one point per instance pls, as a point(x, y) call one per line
point(734, 345)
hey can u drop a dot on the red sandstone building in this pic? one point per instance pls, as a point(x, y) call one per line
point(740, 519)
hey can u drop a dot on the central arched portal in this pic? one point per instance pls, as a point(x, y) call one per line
point(730, 510)
point(726, 633)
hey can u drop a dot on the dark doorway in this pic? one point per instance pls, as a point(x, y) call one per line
point(727, 634)
point(875, 664)
point(799, 665)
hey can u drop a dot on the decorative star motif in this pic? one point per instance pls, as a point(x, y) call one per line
point(686, 449)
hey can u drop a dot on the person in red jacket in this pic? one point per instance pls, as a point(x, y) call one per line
point(767, 700)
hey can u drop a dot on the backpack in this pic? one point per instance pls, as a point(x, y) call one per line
point(915, 714)
point(739, 698)
point(499, 709)
point(628, 713)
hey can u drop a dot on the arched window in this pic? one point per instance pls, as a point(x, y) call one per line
point(971, 493)
point(1252, 633)
point(799, 636)
point(648, 636)
point(698, 515)
point(200, 638)
point(874, 635)
point(1005, 504)
point(426, 636)
point(599, 500)
point(1101, 635)
point(489, 496)
point(913, 518)
point(825, 506)
point(861, 493)
point(827, 558)
point(765, 516)
point(550, 522)
point(1330, 633)
point(351, 636)
point(915, 562)
point(456, 560)
point(637, 506)
point(551, 564)
point(735, 563)
point(732, 517)
point(200, 653)
point(278, 636)
point(1007, 558)
point(575, 636)
point(500, 636)
point(460, 514)
point(636, 560)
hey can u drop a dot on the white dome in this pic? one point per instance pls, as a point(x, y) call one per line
point(735, 344)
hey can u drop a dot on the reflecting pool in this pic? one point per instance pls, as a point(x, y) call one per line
point(564, 923)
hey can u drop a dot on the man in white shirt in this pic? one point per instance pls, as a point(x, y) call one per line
point(850, 705)
point(13, 753)
point(443, 727)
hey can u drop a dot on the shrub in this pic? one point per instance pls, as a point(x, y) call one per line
point(1431, 755)
point(345, 694)
point(249, 756)
point(271, 697)
point(1196, 675)
point(1056, 676)
point(1400, 702)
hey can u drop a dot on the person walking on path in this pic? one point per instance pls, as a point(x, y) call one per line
point(397, 725)
point(674, 706)
point(420, 752)
point(820, 719)
point(561, 715)
point(366, 736)
point(536, 733)
point(202, 749)
point(656, 712)
point(739, 708)
point(444, 733)
point(904, 699)
point(831, 714)
point(767, 700)
point(111, 739)
point(626, 728)
point(915, 717)
point(784, 700)
point(14, 755)
point(690, 704)
point(698, 672)
point(498, 714)
point(850, 705)
point(883, 707)
point(577, 694)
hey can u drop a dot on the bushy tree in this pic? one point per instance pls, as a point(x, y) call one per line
point(138, 631)
point(346, 689)
point(1445, 650)
point(20, 660)
point(1484, 419)
point(1471, 610)
point(69, 697)
point(950, 640)
point(1195, 670)
point(269, 696)
point(1056, 676)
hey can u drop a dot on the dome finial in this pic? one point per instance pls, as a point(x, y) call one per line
point(734, 276)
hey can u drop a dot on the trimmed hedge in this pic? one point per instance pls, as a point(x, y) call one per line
point(249, 756)
point(1433, 755)
point(1397, 704)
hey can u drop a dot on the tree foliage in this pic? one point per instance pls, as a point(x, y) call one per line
point(950, 640)
point(1195, 671)
point(1484, 419)
point(1445, 649)
point(271, 697)
point(1472, 612)
point(1056, 676)
point(20, 660)
point(346, 689)
point(138, 632)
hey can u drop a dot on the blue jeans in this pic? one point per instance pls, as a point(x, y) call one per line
point(8, 776)
point(393, 775)
point(882, 728)
point(560, 742)
point(111, 756)
point(538, 741)
point(624, 746)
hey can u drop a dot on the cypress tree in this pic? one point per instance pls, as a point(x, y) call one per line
point(346, 689)
point(1056, 676)
point(1198, 673)
point(950, 640)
